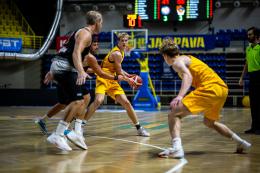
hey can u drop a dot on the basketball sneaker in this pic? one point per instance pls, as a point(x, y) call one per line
point(242, 147)
point(172, 153)
point(77, 139)
point(59, 141)
point(142, 132)
point(41, 125)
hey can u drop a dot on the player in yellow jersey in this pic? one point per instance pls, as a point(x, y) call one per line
point(112, 65)
point(210, 95)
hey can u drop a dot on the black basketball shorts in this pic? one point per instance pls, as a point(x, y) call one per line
point(67, 89)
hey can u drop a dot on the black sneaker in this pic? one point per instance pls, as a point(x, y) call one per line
point(250, 131)
point(257, 132)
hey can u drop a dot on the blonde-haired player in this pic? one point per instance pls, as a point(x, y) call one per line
point(112, 65)
point(210, 95)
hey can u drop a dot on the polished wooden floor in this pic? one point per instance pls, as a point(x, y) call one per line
point(113, 146)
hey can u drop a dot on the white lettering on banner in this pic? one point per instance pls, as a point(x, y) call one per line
point(63, 49)
point(62, 42)
point(15, 41)
point(1, 41)
point(7, 43)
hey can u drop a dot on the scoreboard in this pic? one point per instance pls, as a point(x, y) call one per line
point(174, 10)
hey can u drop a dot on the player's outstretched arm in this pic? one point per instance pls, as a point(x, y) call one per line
point(83, 39)
point(90, 70)
point(180, 67)
point(92, 62)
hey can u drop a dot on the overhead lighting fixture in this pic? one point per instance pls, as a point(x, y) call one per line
point(129, 7)
point(237, 4)
point(77, 8)
point(94, 7)
point(112, 7)
point(217, 4)
point(256, 3)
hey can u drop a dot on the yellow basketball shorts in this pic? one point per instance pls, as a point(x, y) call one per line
point(112, 90)
point(210, 98)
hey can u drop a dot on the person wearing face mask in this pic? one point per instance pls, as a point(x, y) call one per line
point(252, 67)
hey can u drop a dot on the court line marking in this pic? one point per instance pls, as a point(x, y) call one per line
point(175, 168)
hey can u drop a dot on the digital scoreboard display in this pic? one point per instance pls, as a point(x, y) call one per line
point(132, 21)
point(174, 10)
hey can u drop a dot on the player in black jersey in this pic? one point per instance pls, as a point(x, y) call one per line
point(67, 70)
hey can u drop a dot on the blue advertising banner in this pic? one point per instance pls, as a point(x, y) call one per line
point(185, 42)
point(11, 44)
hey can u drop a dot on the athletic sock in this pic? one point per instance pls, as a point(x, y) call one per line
point(61, 127)
point(44, 118)
point(177, 143)
point(77, 125)
point(236, 139)
point(84, 122)
point(138, 126)
point(68, 126)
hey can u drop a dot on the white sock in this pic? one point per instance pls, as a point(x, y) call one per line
point(236, 139)
point(67, 126)
point(61, 127)
point(137, 123)
point(84, 121)
point(177, 143)
point(44, 118)
point(77, 125)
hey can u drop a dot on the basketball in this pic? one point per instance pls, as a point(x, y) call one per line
point(246, 101)
point(138, 80)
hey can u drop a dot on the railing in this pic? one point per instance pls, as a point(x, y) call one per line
point(21, 19)
point(29, 41)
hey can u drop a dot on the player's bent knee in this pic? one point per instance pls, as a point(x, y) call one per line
point(209, 124)
point(127, 103)
point(98, 102)
point(78, 103)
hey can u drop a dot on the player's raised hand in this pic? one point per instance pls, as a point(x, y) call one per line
point(175, 102)
point(47, 78)
point(120, 78)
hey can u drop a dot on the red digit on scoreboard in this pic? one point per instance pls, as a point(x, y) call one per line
point(165, 2)
point(139, 21)
point(180, 1)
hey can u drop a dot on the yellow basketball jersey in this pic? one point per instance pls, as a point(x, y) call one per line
point(202, 74)
point(108, 66)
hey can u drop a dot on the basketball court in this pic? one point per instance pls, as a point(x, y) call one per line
point(114, 147)
point(110, 135)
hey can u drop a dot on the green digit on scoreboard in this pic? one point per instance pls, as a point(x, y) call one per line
point(165, 18)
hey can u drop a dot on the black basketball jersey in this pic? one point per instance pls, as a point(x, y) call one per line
point(68, 47)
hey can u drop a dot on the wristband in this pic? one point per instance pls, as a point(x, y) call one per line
point(116, 77)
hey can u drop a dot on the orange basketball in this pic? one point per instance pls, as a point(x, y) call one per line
point(138, 80)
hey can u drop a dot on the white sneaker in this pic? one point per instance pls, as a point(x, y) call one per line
point(142, 132)
point(243, 146)
point(77, 139)
point(59, 141)
point(172, 153)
